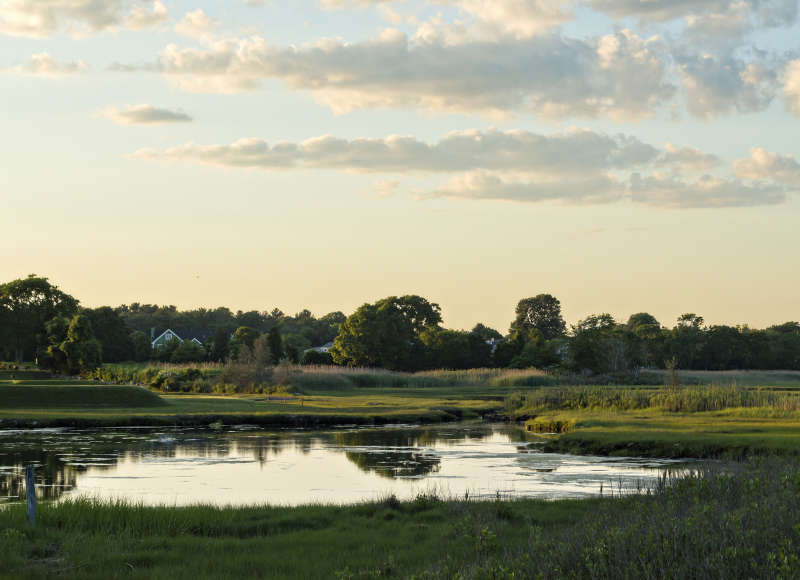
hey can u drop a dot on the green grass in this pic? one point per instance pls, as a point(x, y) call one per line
point(84, 403)
point(732, 433)
point(108, 540)
point(58, 395)
point(726, 522)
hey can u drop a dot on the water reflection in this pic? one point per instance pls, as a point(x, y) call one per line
point(242, 466)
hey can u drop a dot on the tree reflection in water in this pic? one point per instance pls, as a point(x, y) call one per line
point(60, 456)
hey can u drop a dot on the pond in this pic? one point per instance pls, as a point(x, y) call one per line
point(240, 466)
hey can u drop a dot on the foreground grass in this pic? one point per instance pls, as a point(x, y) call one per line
point(108, 540)
point(739, 521)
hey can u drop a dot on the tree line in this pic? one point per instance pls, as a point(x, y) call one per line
point(40, 322)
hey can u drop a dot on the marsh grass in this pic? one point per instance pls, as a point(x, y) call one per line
point(682, 399)
point(734, 520)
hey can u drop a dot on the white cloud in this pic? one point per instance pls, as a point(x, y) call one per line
point(621, 76)
point(145, 115)
point(763, 12)
point(555, 155)
point(575, 167)
point(197, 24)
point(143, 17)
point(791, 86)
point(708, 191)
point(708, 23)
point(384, 188)
point(764, 165)
point(686, 159)
point(43, 18)
point(476, 185)
point(43, 64)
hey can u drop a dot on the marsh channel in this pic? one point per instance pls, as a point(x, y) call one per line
point(246, 466)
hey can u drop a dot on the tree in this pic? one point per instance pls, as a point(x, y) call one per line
point(112, 332)
point(598, 345)
point(313, 357)
point(455, 349)
point(686, 340)
point(646, 338)
point(536, 352)
point(142, 347)
point(187, 351)
point(82, 351)
point(26, 305)
point(220, 345)
point(543, 313)
point(387, 333)
point(485, 332)
point(244, 336)
point(275, 343)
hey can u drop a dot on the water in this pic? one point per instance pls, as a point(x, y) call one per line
point(250, 466)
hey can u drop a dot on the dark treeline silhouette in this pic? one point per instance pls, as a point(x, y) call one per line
point(40, 322)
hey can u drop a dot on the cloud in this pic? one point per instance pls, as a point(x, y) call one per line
point(656, 190)
point(477, 185)
point(42, 64)
point(620, 75)
point(555, 155)
point(577, 166)
point(763, 12)
point(791, 86)
point(718, 85)
point(486, 18)
point(384, 188)
point(43, 18)
point(706, 192)
point(145, 115)
point(142, 17)
point(764, 165)
point(686, 159)
point(708, 23)
point(197, 24)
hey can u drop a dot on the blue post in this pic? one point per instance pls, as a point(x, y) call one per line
point(30, 489)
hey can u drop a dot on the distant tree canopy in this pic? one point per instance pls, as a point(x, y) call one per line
point(541, 313)
point(40, 322)
point(26, 305)
point(72, 347)
point(112, 332)
point(387, 333)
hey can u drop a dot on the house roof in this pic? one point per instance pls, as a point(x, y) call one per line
point(156, 339)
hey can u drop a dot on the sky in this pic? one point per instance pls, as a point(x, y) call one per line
point(622, 155)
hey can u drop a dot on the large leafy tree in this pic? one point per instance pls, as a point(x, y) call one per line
point(387, 333)
point(112, 332)
point(26, 305)
point(599, 345)
point(541, 313)
point(73, 346)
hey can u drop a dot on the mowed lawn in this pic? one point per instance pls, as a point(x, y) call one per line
point(49, 399)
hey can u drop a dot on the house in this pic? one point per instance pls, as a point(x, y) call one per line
point(324, 348)
point(169, 335)
point(493, 342)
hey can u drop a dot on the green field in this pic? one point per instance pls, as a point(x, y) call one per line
point(74, 402)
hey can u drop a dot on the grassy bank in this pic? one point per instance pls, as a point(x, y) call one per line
point(86, 404)
point(738, 522)
point(731, 434)
point(703, 421)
